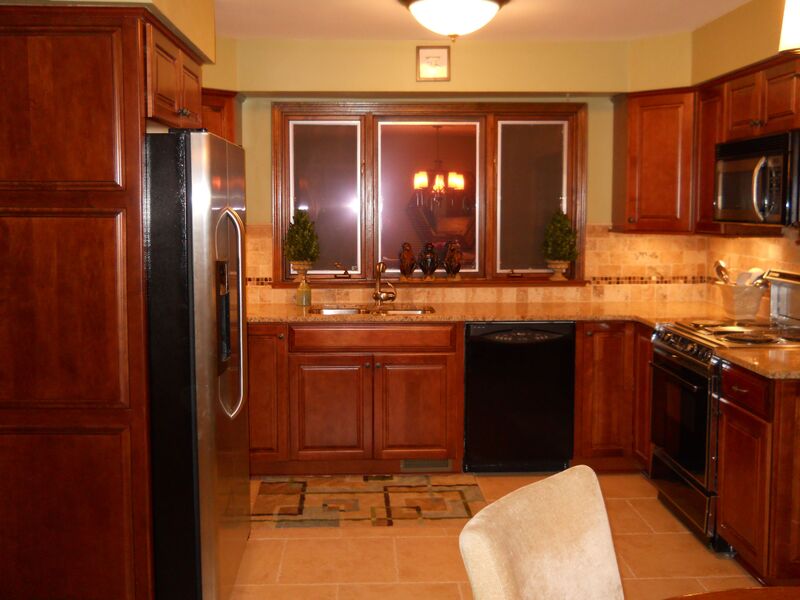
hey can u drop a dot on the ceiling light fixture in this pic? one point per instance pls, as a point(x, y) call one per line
point(453, 17)
point(790, 28)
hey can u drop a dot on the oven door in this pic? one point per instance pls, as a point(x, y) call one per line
point(680, 417)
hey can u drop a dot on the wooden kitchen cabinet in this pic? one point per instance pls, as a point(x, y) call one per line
point(763, 102)
point(708, 133)
point(219, 113)
point(653, 145)
point(743, 481)
point(267, 393)
point(643, 355)
point(604, 387)
point(758, 504)
point(174, 88)
point(330, 406)
point(366, 398)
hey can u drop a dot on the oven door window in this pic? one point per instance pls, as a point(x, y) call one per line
point(680, 416)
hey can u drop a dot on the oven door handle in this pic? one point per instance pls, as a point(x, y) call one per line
point(687, 384)
point(757, 187)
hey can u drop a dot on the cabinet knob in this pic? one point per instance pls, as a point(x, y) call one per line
point(280, 336)
point(631, 219)
point(377, 365)
point(367, 365)
point(183, 112)
point(589, 333)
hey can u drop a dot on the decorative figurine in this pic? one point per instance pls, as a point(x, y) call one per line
point(408, 262)
point(428, 261)
point(452, 260)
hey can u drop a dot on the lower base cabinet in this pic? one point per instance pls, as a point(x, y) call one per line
point(398, 398)
point(758, 505)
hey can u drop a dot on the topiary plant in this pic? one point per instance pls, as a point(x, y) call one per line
point(301, 242)
point(560, 239)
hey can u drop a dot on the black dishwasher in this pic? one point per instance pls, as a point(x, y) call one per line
point(519, 388)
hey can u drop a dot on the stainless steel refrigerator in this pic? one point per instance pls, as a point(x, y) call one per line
point(194, 214)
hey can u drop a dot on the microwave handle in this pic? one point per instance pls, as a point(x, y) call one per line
point(757, 171)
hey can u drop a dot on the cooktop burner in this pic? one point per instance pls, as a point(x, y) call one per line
point(703, 323)
point(752, 337)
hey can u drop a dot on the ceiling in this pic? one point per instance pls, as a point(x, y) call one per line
point(519, 20)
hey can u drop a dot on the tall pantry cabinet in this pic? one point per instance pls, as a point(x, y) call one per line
point(75, 509)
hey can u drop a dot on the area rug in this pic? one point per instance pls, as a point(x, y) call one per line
point(366, 500)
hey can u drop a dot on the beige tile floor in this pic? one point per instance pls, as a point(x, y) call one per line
point(658, 558)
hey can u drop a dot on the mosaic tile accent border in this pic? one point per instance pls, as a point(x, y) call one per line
point(650, 280)
point(258, 280)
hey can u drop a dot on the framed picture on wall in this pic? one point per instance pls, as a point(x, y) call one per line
point(433, 63)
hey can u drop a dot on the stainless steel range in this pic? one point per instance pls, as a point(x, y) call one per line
point(685, 399)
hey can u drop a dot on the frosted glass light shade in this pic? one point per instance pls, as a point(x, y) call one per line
point(790, 28)
point(420, 180)
point(454, 17)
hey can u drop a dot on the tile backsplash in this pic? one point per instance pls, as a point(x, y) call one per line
point(618, 267)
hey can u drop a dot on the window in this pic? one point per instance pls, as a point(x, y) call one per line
point(375, 175)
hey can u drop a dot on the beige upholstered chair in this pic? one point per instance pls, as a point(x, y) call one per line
point(549, 540)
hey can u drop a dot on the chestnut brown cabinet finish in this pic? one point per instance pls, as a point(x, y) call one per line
point(642, 392)
point(743, 482)
point(762, 102)
point(708, 133)
point(267, 393)
point(219, 113)
point(361, 397)
point(330, 403)
point(758, 508)
point(74, 514)
point(653, 143)
point(408, 387)
point(604, 393)
point(174, 88)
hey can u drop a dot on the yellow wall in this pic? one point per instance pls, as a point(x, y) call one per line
point(192, 20)
point(660, 62)
point(746, 35)
point(224, 73)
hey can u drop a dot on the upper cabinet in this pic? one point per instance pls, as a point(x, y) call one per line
point(762, 102)
point(709, 128)
point(219, 113)
point(174, 88)
point(653, 162)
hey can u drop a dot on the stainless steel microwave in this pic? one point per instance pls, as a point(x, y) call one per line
point(756, 180)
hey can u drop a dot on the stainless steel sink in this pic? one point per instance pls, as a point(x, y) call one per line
point(405, 310)
point(332, 310)
point(350, 309)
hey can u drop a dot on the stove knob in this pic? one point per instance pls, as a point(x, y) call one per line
point(691, 348)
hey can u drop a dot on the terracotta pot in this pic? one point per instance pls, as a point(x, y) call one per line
point(559, 267)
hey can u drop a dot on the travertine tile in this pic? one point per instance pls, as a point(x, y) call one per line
point(656, 515)
point(285, 592)
point(659, 589)
point(260, 562)
point(401, 591)
point(429, 559)
point(345, 560)
point(624, 519)
point(494, 487)
point(719, 584)
point(626, 485)
point(672, 555)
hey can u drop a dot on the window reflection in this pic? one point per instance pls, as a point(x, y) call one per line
point(325, 180)
point(531, 185)
point(428, 182)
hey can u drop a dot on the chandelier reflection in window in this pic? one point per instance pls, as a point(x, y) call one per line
point(435, 186)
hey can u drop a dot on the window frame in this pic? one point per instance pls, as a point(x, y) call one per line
point(370, 114)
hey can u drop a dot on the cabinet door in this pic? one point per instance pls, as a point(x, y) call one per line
point(743, 483)
point(267, 391)
point(660, 138)
point(709, 132)
point(330, 405)
point(415, 413)
point(191, 93)
point(219, 113)
point(742, 106)
point(780, 102)
point(163, 77)
point(604, 390)
point(643, 354)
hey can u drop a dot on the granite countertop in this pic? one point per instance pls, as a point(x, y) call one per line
point(773, 363)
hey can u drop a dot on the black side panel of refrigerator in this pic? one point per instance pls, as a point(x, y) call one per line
point(168, 264)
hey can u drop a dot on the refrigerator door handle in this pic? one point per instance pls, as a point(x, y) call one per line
point(239, 309)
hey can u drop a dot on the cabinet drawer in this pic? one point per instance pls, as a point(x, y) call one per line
point(368, 337)
point(747, 390)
